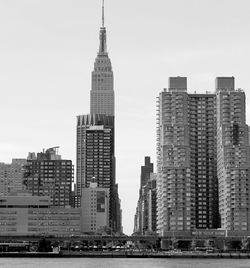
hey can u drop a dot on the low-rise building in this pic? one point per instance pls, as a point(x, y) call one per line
point(32, 215)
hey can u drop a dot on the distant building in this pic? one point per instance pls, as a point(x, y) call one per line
point(146, 170)
point(145, 217)
point(152, 203)
point(49, 175)
point(118, 211)
point(11, 177)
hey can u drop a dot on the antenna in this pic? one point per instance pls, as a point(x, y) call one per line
point(102, 13)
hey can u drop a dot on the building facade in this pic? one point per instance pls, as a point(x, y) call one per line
point(203, 159)
point(99, 156)
point(49, 175)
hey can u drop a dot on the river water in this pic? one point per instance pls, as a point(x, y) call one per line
point(123, 263)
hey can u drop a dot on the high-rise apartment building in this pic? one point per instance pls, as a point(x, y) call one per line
point(95, 154)
point(49, 175)
point(203, 158)
point(233, 165)
point(175, 188)
point(186, 159)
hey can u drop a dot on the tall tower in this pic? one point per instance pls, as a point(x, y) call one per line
point(102, 91)
point(233, 156)
point(186, 159)
point(175, 208)
point(95, 155)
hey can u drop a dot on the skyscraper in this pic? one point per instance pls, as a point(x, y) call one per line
point(187, 186)
point(88, 151)
point(233, 156)
point(102, 92)
point(203, 158)
point(96, 134)
point(175, 208)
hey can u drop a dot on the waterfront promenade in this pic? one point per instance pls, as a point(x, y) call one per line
point(127, 254)
point(127, 246)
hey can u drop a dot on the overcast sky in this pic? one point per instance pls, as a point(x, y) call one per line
point(47, 52)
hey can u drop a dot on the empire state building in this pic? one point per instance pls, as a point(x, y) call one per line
point(102, 91)
point(95, 148)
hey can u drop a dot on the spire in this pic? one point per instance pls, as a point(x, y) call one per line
point(102, 13)
point(103, 42)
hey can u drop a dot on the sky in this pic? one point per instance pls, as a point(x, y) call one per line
point(47, 53)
